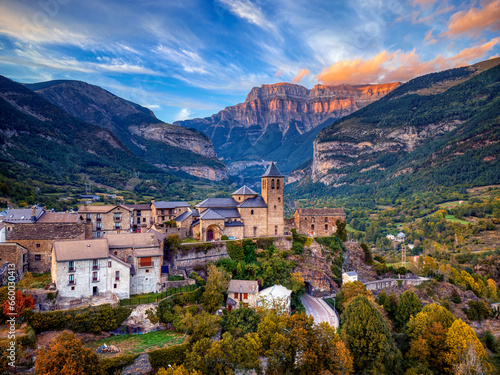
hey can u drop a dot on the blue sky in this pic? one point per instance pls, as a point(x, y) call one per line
point(191, 58)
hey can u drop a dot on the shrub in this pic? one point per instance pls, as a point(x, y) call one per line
point(298, 248)
point(477, 311)
point(193, 310)
point(113, 365)
point(455, 296)
point(174, 355)
point(224, 238)
point(489, 340)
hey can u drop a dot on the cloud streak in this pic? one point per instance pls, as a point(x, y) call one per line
point(301, 74)
point(475, 21)
point(398, 66)
point(249, 12)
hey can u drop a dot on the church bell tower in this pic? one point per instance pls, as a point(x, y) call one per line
point(273, 193)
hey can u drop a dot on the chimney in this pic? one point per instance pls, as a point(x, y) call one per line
point(33, 213)
point(152, 200)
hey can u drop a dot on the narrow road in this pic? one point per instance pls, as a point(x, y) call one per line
point(320, 310)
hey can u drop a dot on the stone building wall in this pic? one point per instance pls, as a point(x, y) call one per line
point(256, 223)
point(316, 225)
point(273, 194)
point(107, 220)
point(16, 254)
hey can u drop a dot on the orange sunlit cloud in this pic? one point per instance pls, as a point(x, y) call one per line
point(278, 73)
point(301, 74)
point(397, 66)
point(475, 20)
point(423, 3)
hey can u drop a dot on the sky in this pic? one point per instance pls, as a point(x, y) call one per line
point(191, 58)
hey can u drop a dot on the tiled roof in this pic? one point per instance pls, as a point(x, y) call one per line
point(45, 231)
point(321, 212)
point(139, 207)
point(148, 253)
point(23, 215)
point(183, 216)
point(81, 250)
point(158, 235)
point(134, 240)
point(244, 190)
point(243, 286)
point(272, 171)
point(254, 202)
point(195, 212)
point(99, 209)
point(162, 205)
point(59, 217)
point(211, 215)
point(231, 301)
point(218, 203)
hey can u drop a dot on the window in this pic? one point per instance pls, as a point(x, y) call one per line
point(95, 264)
point(118, 216)
point(71, 266)
point(117, 275)
point(143, 219)
point(145, 262)
point(37, 245)
point(312, 226)
point(236, 295)
point(275, 230)
point(326, 220)
point(117, 226)
point(245, 295)
point(38, 257)
point(71, 280)
point(109, 264)
point(251, 212)
point(272, 183)
point(138, 213)
point(72, 288)
point(98, 226)
point(138, 220)
point(88, 217)
point(114, 286)
point(116, 252)
point(274, 206)
point(147, 271)
point(98, 234)
point(278, 184)
point(98, 217)
point(279, 199)
point(95, 276)
point(129, 258)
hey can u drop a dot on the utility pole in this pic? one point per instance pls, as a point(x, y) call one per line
point(403, 255)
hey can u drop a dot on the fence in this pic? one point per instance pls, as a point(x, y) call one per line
point(156, 297)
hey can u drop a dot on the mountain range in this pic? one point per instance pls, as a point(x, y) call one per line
point(441, 129)
point(279, 122)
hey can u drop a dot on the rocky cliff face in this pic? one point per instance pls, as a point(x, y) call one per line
point(278, 122)
point(436, 118)
point(136, 126)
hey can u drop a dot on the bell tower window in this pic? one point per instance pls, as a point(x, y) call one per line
point(272, 183)
point(278, 184)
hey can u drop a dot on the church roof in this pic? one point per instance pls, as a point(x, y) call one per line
point(211, 215)
point(224, 213)
point(272, 171)
point(244, 190)
point(254, 202)
point(218, 203)
point(183, 216)
point(163, 204)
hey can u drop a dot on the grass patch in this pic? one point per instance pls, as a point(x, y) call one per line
point(190, 240)
point(138, 299)
point(453, 219)
point(136, 344)
point(352, 230)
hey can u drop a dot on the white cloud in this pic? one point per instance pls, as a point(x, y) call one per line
point(183, 114)
point(249, 12)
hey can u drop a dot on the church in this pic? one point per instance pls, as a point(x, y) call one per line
point(244, 214)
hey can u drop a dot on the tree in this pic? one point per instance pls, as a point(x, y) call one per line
point(177, 370)
point(200, 326)
point(341, 231)
point(368, 253)
point(459, 338)
point(16, 306)
point(350, 290)
point(217, 283)
point(26, 280)
point(366, 335)
point(241, 321)
point(66, 356)
point(409, 305)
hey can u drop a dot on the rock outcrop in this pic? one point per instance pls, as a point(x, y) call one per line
point(279, 121)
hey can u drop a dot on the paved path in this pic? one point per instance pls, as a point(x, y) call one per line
point(320, 310)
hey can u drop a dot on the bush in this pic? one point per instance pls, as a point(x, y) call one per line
point(298, 248)
point(489, 341)
point(174, 355)
point(175, 277)
point(193, 310)
point(95, 319)
point(199, 280)
point(455, 296)
point(113, 365)
point(224, 238)
point(477, 311)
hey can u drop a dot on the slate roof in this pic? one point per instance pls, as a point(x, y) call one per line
point(218, 203)
point(162, 204)
point(133, 240)
point(211, 215)
point(321, 212)
point(148, 253)
point(81, 250)
point(244, 190)
point(231, 301)
point(22, 215)
point(120, 261)
point(45, 231)
point(272, 171)
point(351, 273)
point(59, 217)
point(233, 224)
point(243, 286)
point(158, 235)
point(254, 202)
point(195, 212)
point(183, 216)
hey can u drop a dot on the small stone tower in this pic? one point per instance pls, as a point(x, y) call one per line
point(273, 192)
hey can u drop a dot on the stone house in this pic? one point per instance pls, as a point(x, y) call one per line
point(37, 237)
point(400, 237)
point(349, 277)
point(276, 297)
point(144, 252)
point(106, 219)
point(85, 268)
point(246, 213)
point(242, 293)
point(318, 222)
point(166, 211)
point(14, 253)
point(141, 216)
